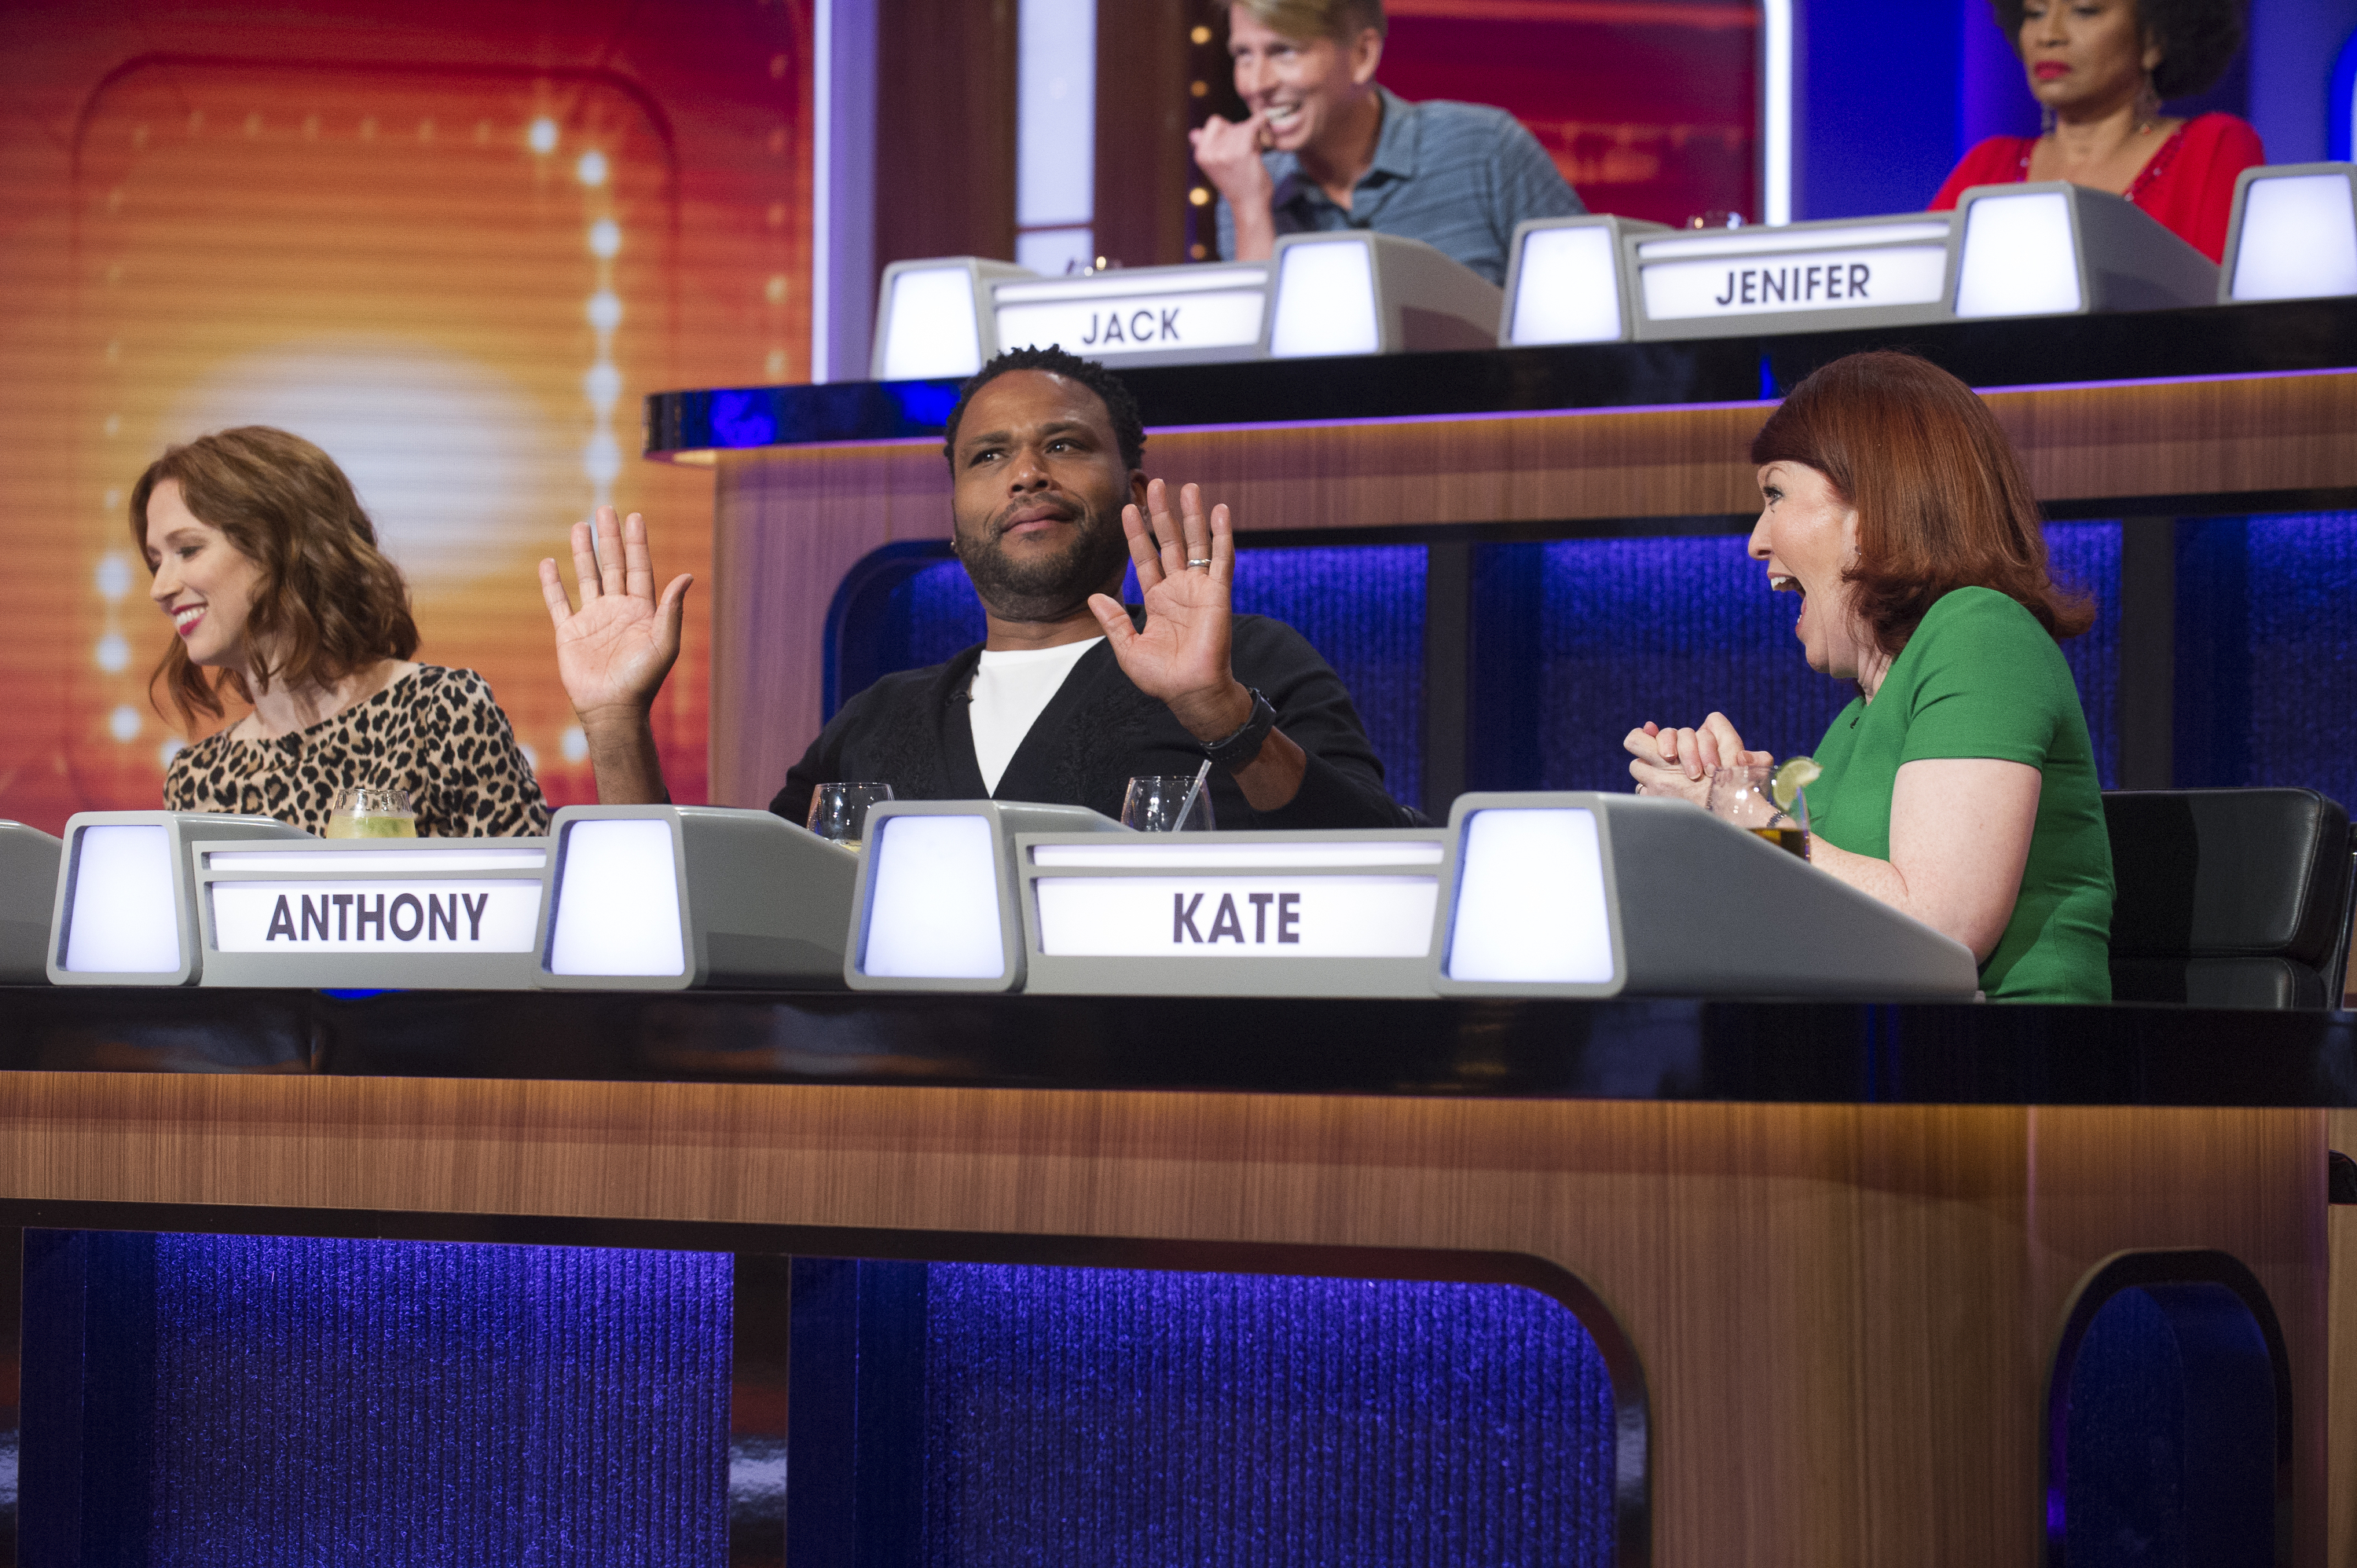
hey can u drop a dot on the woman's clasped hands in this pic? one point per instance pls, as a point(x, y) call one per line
point(1679, 762)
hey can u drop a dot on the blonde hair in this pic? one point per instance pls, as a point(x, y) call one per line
point(1341, 20)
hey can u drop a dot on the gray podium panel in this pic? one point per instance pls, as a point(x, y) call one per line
point(29, 895)
point(2293, 235)
point(403, 914)
point(1565, 283)
point(1354, 291)
point(1230, 914)
point(125, 910)
point(2053, 248)
point(937, 905)
point(1591, 895)
point(677, 897)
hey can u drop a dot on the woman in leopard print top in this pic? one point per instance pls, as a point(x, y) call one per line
point(270, 572)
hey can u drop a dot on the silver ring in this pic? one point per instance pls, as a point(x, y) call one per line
point(1205, 565)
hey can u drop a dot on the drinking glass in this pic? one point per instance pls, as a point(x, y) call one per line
point(372, 811)
point(1153, 802)
point(1746, 797)
point(838, 812)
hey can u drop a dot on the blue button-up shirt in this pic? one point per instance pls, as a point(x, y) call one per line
point(1458, 176)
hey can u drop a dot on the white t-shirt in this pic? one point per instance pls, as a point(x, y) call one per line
point(1009, 691)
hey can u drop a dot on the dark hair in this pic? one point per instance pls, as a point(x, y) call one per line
point(329, 602)
point(2198, 39)
point(1943, 502)
point(1128, 428)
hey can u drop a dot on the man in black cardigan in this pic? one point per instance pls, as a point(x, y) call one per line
point(1071, 693)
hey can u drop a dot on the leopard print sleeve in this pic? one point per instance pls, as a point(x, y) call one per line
point(481, 784)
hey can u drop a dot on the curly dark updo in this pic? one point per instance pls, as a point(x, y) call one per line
point(2198, 39)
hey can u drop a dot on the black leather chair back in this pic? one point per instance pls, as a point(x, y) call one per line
point(2229, 897)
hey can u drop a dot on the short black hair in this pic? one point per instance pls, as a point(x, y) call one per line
point(2198, 39)
point(1128, 428)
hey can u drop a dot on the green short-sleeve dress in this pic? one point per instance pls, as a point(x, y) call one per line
point(1982, 678)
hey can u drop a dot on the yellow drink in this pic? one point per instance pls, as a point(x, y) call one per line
point(1792, 841)
point(374, 825)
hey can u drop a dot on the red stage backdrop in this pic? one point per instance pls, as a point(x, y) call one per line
point(1646, 105)
point(454, 244)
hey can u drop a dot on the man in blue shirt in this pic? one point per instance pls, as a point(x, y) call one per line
point(1326, 148)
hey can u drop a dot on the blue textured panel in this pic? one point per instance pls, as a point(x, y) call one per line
point(315, 1402)
point(2124, 1502)
point(2266, 653)
point(2087, 556)
point(1102, 1416)
point(1578, 642)
point(1362, 608)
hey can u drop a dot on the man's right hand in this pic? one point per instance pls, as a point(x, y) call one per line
point(1229, 156)
point(613, 652)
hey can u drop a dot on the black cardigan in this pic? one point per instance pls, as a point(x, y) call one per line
point(912, 730)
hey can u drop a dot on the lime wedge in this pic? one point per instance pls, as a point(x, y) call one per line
point(1796, 775)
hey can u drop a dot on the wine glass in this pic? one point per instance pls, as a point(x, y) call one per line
point(838, 812)
point(1154, 802)
point(1747, 797)
point(372, 811)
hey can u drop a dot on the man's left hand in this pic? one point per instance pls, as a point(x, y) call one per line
point(1184, 655)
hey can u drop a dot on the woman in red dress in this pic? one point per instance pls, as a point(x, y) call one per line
point(2101, 67)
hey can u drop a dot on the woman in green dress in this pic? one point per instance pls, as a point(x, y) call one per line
point(1959, 786)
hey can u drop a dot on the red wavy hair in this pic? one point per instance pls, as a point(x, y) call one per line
point(1942, 502)
point(329, 602)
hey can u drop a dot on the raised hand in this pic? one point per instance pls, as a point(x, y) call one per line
point(613, 652)
point(1184, 655)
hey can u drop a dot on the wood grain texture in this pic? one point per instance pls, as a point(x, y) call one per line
point(1565, 470)
point(801, 519)
point(944, 129)
point(1842, 1311)
point(1141, 138)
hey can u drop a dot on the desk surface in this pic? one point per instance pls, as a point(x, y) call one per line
point(2211, 341)
point(1632, 1050)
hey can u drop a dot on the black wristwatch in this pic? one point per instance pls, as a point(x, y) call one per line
point(1238, 749)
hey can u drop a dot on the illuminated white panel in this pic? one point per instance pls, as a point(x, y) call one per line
point(1056, 113)
point(1776, 110)
point(1133, 324)
point(1236, 917)
point(125, 917)
point(1325, 301)
point(1569, 290)
point(390, 862)
point(1235, 856)
point(1812, 280)
point(617, 900)
point(933, 904)
point(2299, 238)
point(2018, 259)
point(441, 916)
point(1529, 899)
point(931, 331)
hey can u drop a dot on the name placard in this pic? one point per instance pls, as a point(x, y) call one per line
point(1156, 311)
point(418, 914)
point(1254, 917)
point(1897, 269)
point(374, 916)
point(1242, 914)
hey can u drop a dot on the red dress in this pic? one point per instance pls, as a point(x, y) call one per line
point(2188, 188)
